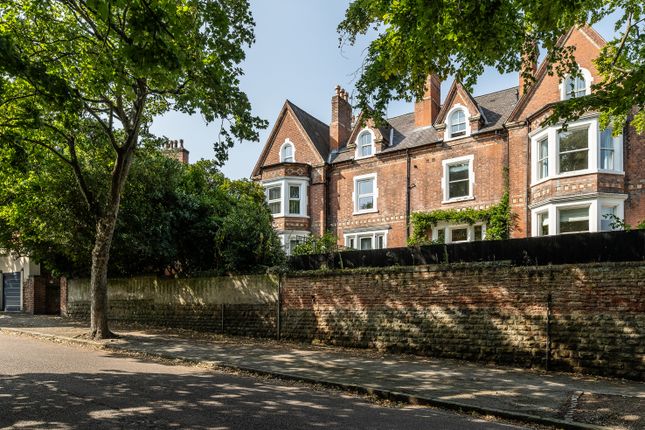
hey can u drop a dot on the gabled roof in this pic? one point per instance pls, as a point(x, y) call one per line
point(455, 88)
point(542, 69)
point(496, 106)
point(315, 130)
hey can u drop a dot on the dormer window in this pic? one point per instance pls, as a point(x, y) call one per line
point(576, 86)
point(457, 124)
point(287, 153)
point(365, 144)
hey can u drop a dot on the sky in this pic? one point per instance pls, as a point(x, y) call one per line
point(297, 57)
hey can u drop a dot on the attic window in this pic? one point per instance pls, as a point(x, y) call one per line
point(576, 86)
point(365, 144)
point(287, 153)
point(457, 123)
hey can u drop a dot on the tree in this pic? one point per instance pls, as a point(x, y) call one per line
point(73, 71)
point(460, 38)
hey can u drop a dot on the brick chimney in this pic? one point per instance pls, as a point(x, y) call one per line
point(175, 149)
point(531, 65)
point(341, 119)
point(427, 109)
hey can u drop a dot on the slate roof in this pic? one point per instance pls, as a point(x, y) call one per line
point(317, 130)
point(496, 107)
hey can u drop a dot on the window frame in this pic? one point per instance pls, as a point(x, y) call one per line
point(285, 183)
point(374, 194)
point(353, 240)
point(448, 130)
point(588, 149)
point(595, 204)
point(287, 143)
point(445, 180)
point(267, 191)
point(372, 145)
point(594, 149)
point(585, 74)
point(449, 228)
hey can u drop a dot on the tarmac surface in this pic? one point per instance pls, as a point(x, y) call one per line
point(557, 399)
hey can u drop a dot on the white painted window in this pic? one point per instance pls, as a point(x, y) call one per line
point(365, 194)
point(577, 215)
point(287, 196)
point(287, 152)
point(607, 218)
point(576, 86)
point(366, 240)
point(274, 199)
point(457, 124)
point(573, 220)
point(458, 179)
point(446, 233)
point(291, 239)
point(580, 149)
point(365, 144)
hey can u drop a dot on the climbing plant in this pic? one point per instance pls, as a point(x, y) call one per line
point(498, 219)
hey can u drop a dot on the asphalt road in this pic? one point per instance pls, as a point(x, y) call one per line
point(49, 385)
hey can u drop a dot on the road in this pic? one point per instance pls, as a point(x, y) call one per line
point(49, 385)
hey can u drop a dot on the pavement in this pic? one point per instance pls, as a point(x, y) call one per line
point(560, 400)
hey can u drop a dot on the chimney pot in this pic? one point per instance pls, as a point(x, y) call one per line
point(341, 120)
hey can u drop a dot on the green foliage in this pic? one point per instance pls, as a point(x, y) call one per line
point(173, 217)
point(461, 38)
point(498, 221)
point(326, 243)
point(617, 223)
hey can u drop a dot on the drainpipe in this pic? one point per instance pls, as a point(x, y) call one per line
point(407, 196)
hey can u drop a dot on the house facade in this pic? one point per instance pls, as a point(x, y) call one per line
point(363, 182)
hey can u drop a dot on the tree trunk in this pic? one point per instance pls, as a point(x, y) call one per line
point(98, 283)
point(102, 244)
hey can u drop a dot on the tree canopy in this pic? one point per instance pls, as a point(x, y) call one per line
point(174, 219)
point(79, 77)
point(461, 38)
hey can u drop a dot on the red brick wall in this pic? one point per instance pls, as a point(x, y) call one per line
point(479, 312)
point(290, 129)
point(391, 201)
point(518, 175)
point(634, 164)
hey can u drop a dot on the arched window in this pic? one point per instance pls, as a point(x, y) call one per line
point(457, 123)
point(287, 153)
point(576, 86)
point(365, 146)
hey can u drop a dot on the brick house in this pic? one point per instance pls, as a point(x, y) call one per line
point(363, 182)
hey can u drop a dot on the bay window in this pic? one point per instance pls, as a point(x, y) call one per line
point(580, 149)
point(287, 196)
point(366, 240)
point(579, 215)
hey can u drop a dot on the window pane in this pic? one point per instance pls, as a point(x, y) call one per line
point(459, 235)
point(366, 186)
point(441, 235)
point(606, 150)
point(294, 206)
point(366, 150)
point(477, 230)
point(572, 161)
point(607, 217)
point(458, 189)
point(365, 203)
point(294, 192)
point(571, 140)
point(366, 242)
point(274, 207)
point(274, 193)
point(379, 242)
point(365, 139)
point(543, 148)
point(457, 172)
point(543, 224)
point(574, 220)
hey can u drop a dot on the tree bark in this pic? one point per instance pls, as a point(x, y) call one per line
point(105, 227)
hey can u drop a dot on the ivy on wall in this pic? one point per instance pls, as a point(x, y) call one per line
point(498, 219)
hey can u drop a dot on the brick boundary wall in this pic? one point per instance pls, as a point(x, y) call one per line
point(590, 318)
point(237, 305)
point(584, 318)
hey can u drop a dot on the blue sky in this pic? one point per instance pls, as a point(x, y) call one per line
point(296, 57)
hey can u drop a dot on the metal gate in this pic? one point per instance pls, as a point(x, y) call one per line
point(11, 291)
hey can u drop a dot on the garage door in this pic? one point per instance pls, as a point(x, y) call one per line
point(11, 291)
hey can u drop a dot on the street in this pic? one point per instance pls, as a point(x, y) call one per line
point(49, 385)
